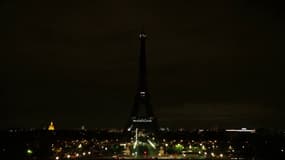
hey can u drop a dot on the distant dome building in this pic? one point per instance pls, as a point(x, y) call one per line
point(51, 126)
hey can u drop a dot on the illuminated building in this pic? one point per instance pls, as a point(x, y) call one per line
point(241, 130)
point(51, 127)
point(142, 115)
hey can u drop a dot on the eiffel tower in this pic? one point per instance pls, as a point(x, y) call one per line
point(142, 116)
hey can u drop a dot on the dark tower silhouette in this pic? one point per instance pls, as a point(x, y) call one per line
point(142, 116)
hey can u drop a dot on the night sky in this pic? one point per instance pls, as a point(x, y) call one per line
point(210, 63)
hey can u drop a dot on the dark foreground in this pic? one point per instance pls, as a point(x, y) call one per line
point(119, 144)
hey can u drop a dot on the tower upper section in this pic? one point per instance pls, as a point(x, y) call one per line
point(142, 86)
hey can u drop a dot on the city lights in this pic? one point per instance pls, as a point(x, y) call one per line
point(29, 151)
point(67, 78)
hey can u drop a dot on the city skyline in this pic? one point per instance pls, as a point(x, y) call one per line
point(214, 64)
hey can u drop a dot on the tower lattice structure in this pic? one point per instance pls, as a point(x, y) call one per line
point(142, 116)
